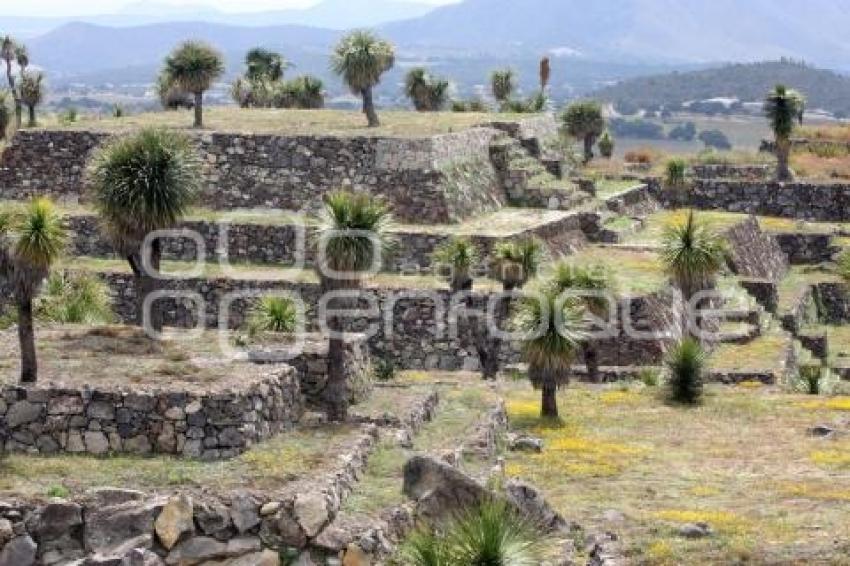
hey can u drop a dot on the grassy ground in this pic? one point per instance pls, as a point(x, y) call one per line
point(262, 272)
point(300, 122)
point(765, 353)
point(634, 272)
point(795, 284)
point(269, 465)
point(607, 188)
point(741, 462)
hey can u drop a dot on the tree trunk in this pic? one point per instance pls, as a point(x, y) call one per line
point(336, 395)
point(26, 337)
point(489, 347)
point(591, 361)
point(783, 151)
point(369, 108)
point(17, 100)
point(147, 283)
point(199, 109)
point(588, 148)
point(32, 123)
point(549, 400)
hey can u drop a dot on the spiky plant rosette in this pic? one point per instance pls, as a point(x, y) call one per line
point(692, 253)
point(685, 364)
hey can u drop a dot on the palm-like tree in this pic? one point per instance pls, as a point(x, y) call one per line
point(554, 330)
point(417, 88)
point(32, 93)
point(693, 255)
point(5, 114)
point(503, 84)
point(584, 121)
point(22, 56)
point(360, 58)
point(545, 74)
point(8, 51)
point(596, 280)
point(309, 92)
point(265, 64)
point(193, 67)
point(459, 256)
point(784, 107)
point(349, 226)
point(143, 183)
point(30, 243)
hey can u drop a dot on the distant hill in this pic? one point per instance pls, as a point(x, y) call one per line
point(824, 90)
point(642, 30)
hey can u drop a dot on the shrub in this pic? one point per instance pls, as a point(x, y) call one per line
point(75, 298)
point(384, 370)
point(118, 111)
point(642, 156)
point(715, 139)
point(273, 314)
point(606, 145)
point(844, 265)
point(650, 377)
point(492, 534)
point(459, 256)
point(675, 174)
point(810, 377)
point(683, 132)
point(68, 116)
point(686, 363)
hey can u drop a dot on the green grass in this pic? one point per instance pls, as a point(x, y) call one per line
point(608, 188)
point(741, 462)
point(634, 272)
point(299, 122)
point(765, 353)
point(797, 282)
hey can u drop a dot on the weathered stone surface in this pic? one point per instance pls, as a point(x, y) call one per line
point(6, 531)
point(142, 557)
point(198, 550)
point(695, 530)
point(524, 443)
point(213, 518)
point(55, 520)
point(264, 558)
point(439, 488)
point(244, 512)
point(531, 504)
point(110, 526)
point(22, 412)
point(175, 522)
point(20, 551)
point(311, 512)
point(354, 556)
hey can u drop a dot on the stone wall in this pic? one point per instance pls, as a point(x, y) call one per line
point(289, 172)
point(808, 201)
point(730, 171)
point(312, 368)
point(833, 301)
point(752, 253)
point(802, 248)
point(215, 424)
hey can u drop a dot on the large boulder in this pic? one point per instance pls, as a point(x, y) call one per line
point(439, 489)
point(531, 504)
point(109, 527)
point(20, 551)
point(175, 523)
point(200, 550)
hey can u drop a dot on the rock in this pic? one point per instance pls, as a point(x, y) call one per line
point(440, 489)
point(108, 527)
point(606, 551)
point(213, 518)
point(198, 550)
point(290, 532)
point(530, 503)
point(354, 556)
point(56, 520)
point(821, 431)
point(311, 512)
point(96, 442)
point(613, 516)
point(304, 559)
point(117, 554)
point(524, 443)
point(176, 521)
point(264, 558)
point(6, 531)
point(110, 496)
point(695, 530)
point(20, 551)
point(270, 508)
point(244, 512)
point(22, 412)
point(141, 557)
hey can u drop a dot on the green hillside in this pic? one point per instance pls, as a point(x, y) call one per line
point(747, 82)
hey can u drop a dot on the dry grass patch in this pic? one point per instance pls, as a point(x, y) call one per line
point(299, 122)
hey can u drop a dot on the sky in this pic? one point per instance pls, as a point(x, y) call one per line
point(63, 8)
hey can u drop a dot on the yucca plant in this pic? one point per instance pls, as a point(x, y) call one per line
point(32, 91)
point(265, 64)
point(568, 277)
point(360, 58)
point(811, 377)
point(686, 363)
point(75, 298)
point(676, 170)
point(606, 145)
point(8, 52)
point(30, 243)
point(492, 534)
point(273, 314)
point(784, 108)
point(142, 183)
point(693, 255)
point(309, 92)
point(459, 256)
point(554, 330)
point(584, 121)
point(517, 261)
point(349, 228)
point(193, 67)
point(503, 84)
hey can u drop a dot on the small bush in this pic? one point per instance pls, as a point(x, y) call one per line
point(641, 156)
point(75, 298)
point(384, 369)
point(118, 111)
point(69, 116)
point(810, 378)
point(686, 363)
point(844, 265)
point(273, 314)
point(59, 491)
point(676, 170)
point(606, 145)
point(650, 377)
